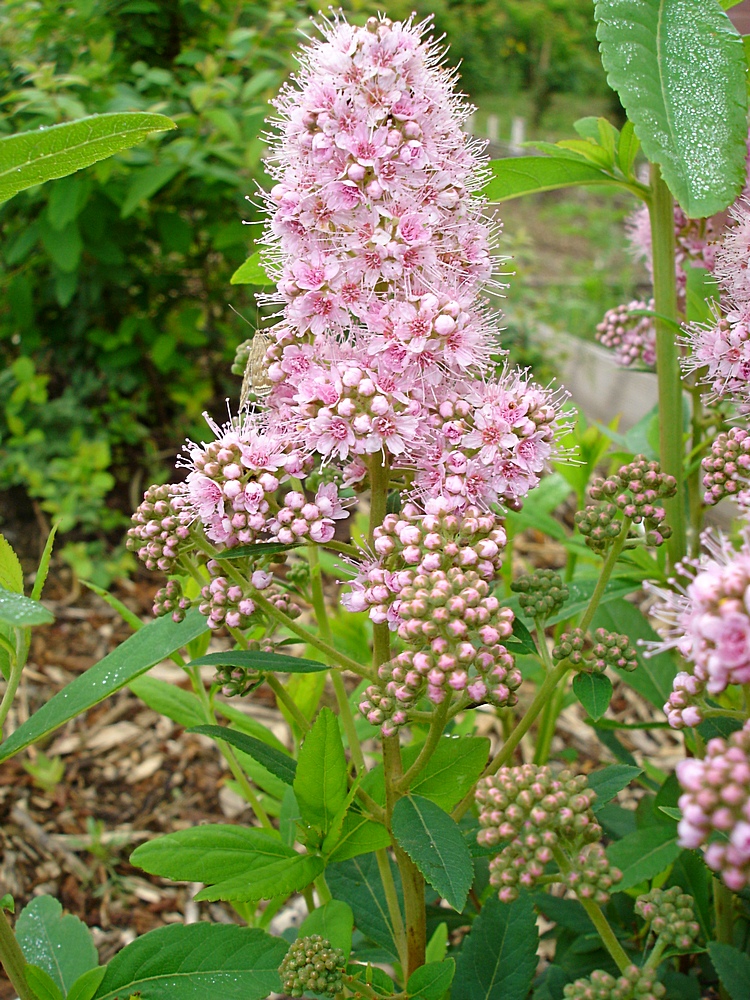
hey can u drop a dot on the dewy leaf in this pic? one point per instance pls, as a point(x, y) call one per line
point(196, 962)
point(22, 612)
point(609, 781)
point(498, 959)
point(434, 842)
point(321, 781)
point(280, 764)
point(643, 854)
point(153, 643)
point(679, 69)
point(334, 921)
point(252, 272)
point(430, 981)
point(733, 967)
point(519, 175)
point(594, 691)
point(263, 662)
point(61, 946)
point(30, 158)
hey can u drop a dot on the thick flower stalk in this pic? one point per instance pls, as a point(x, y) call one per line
point(716, 801)
point(708, 622)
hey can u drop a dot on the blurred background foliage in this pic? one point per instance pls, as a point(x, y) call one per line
point(115, 324)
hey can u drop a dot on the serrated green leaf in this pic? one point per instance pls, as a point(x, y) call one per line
point(433, 841)
point(153, 643)
point(643, 854)
point(321, 783)
point(22, 612)
point(211, 960)
point(358, 835)
point(627, 149)
point(498, 960)
point(521, 175)
point(594, 691)
point(430, 981)
point(43, 985)
point(41, 573)
point(609, 781)
point(733, 967)
point(263, 662)
point(334, 921)
point(357, 881)
point(590, 151)
point(11, 573)
point(61, 946)
point(283, 877)
point(252, 272)
point(280, 764)
point(45, 153)
point(679, 70)
point(86, 985)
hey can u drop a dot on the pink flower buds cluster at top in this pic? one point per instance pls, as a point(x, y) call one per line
point(430, 580)
point(727, 468)
point(720, 351)
point(716, 799)
point(535, 814)
point(633, 984)
point(632, 337)
point(708, 622)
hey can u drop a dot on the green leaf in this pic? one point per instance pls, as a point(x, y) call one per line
point(153, 643)
point(11, 573)
point(252, 272)
point(145, 184)
point(433, 841)
point(22, 612)
point(180, 706)
point(61, 946)
point(498, 959)
point(519, 175)
point(41, 573)
point(358, 883)
point(522, 641)
point(654, 674)
point(672, 812)
point(237, 863)
point(643, 854)
point(733, 967)
point(257, 550)
point(321, 781)
point(702, 294)
point(333, 921)
point(66, 199)
point(86, 985)
point(430, 981)
point(693, 877)
point(197, 962)
point(359, 835)
point(438, 944)
point(609, 781)
point(263, 662)
point(679, 70)
point(33, 157)
point(594, 691)
point(43, 985)
point(8, 903)
point(628, 148)
point(280, 764)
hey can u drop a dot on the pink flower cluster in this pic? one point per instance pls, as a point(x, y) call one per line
point(716, 798)
point(632, 338)
point(708, 622)
point(727, 468)
point(160, 527)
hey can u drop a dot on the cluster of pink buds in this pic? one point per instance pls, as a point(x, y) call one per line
point(438, 614)
point(670, 915)
point(708, 622)
point(609, 649)
point(160, 527)
point(226, 603)
point(535, 813)
point(636, 489)
point(299, 518)
point(633, 984)
point(727, 468)
point(716, 798)
point(632, 337)
point(170, 600)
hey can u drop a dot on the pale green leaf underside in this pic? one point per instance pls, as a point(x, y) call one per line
point(679, 68)
point(520, 175)
point(31, 158)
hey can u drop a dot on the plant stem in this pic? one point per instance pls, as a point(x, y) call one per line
point(391, 899)
point(671, 448)
point(282, 695)
point(601, 584)
point(597, 918)
point(12, 960)
point(437, 725)
point(547, 723)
